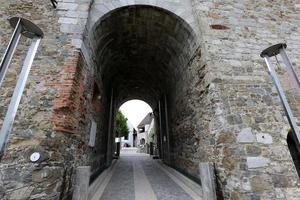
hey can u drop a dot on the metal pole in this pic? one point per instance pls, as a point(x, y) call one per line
point(13, 106)
point(290, 69)
point(283, 99)
point(10, 50)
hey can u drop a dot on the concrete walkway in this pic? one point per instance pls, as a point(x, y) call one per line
point(138, 177)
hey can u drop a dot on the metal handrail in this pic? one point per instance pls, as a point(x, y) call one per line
point(30, 30)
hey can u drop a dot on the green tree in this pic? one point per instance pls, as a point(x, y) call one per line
point(152, 133)
point(121, 123)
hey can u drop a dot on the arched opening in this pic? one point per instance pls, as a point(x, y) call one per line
point(145, 52)
point(294, 151)
point(141, 127)
point(141, 51)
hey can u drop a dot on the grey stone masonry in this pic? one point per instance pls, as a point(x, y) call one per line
point(203, 56)
point(82, 181)
point(208, 181)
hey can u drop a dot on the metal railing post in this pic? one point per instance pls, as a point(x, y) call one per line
point(10, 50)
point(283, 98)
point(29, 30)
point(290, 69)
point(18, 92)
point(274, 51)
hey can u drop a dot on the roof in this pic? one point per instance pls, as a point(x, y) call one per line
point(147, 120)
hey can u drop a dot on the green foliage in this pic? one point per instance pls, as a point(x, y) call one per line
point(121, 125)
point(152, 133)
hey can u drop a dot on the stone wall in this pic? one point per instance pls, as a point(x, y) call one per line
point(190, 117)
point(250, 131)
point(222, 106)
point(55, 113)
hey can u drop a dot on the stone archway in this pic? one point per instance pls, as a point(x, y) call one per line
point(182, 9)
point(148, 53)
point(215, 106)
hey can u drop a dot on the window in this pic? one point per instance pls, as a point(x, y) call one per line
point(142, 130)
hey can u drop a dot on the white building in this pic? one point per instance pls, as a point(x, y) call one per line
point(131, 140)
point(144, 136)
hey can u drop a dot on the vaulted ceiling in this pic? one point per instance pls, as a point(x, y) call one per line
point(141, 51)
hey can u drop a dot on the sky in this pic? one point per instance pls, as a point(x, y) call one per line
point(135, 111)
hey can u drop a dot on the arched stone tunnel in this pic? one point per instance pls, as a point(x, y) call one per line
point(196, 63)
point(142, 51)
point(145, 52)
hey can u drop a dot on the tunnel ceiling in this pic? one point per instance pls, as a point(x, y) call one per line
point(141, 51)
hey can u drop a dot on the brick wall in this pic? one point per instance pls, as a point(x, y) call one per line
point(69, 108)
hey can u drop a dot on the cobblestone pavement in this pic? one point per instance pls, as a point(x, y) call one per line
point(138, 176)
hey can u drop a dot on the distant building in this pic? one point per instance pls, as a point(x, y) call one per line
point(131, 139)
point(144, 129)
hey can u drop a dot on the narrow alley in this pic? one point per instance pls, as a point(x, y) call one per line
point(138, 176)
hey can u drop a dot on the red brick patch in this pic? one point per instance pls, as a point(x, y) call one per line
point(69, 107)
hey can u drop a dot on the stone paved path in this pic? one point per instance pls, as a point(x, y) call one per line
point(139, 177)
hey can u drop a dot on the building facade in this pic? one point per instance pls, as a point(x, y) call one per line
point(195, 62)
point(131, 140)
point(145, 131)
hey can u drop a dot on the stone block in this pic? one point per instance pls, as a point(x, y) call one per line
point(264, 138)
point(67, 6)
point(81, 188)
point(245, 136)
point(259, 183)
point(75, 14)
point(207, 177)
point(234, 119)
point(67, 20)
point(84, 7)
point(22, 193)
point(93, 132)
point(253, 150)
point(77, 43)
point(257, 162)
